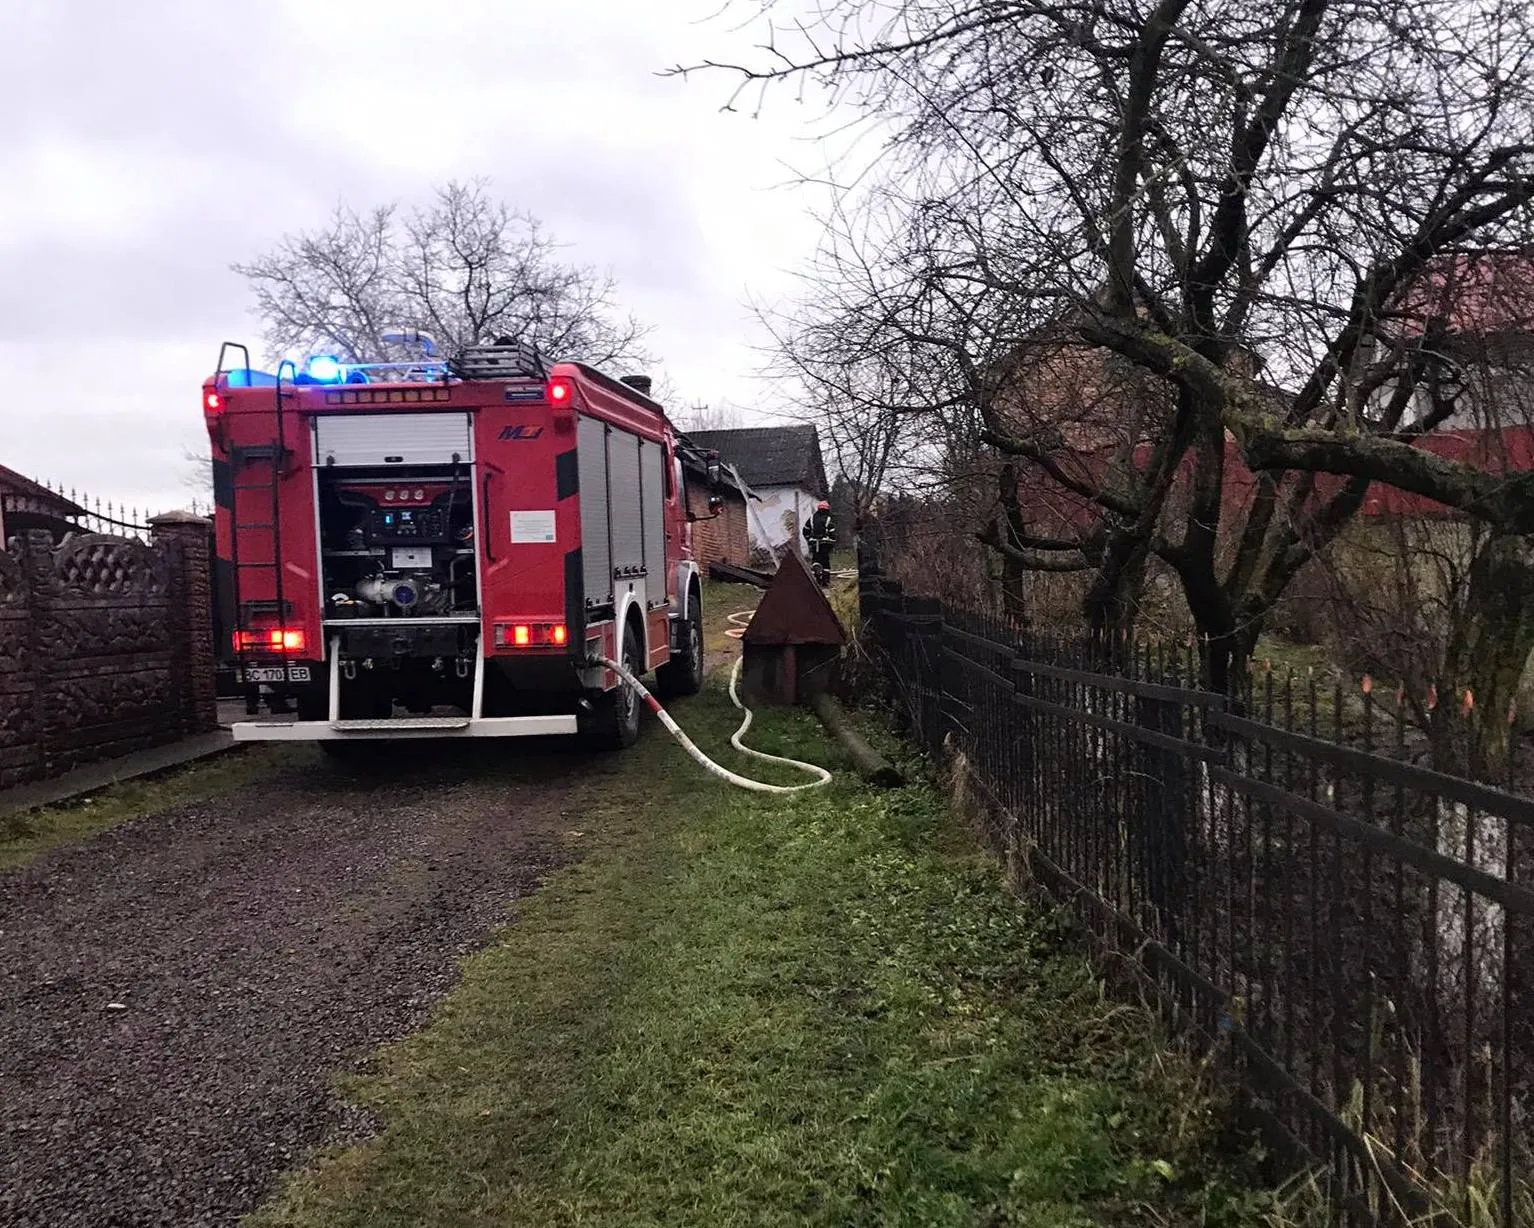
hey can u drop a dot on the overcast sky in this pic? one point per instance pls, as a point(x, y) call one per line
point(148, 145)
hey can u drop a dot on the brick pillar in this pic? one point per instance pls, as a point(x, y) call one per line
point(187, 543)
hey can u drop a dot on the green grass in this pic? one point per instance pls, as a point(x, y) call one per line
point(27, 835)
point(1301, 670)
point(746, 1010)
point(720, 600)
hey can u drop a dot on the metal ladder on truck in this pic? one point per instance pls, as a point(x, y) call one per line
point(257, 469)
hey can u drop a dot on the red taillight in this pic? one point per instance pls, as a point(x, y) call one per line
point(560, 393)
point(214, 402)
point(531, 635)
point(269, 639)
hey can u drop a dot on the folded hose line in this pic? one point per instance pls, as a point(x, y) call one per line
point(743, 782)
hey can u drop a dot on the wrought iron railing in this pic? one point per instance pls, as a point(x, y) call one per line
point(1353, 931)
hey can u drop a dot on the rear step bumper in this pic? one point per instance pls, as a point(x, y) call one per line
point(276, 729)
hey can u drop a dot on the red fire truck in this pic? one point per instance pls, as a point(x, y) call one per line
point(443, 548)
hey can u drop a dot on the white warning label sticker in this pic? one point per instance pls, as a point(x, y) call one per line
point(530, 527)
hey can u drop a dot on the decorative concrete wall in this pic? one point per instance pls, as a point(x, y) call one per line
point(106, 645)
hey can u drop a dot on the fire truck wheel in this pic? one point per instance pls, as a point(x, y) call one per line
point(683, 674)
point(614, 721)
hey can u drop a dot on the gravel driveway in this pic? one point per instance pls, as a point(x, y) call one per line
point(176, 994)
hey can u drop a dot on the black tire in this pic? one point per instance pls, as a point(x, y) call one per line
point(614, 721)
point(683, 674)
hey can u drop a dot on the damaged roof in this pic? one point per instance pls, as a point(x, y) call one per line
point(771, 455)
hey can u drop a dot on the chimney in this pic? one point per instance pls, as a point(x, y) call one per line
point(639, 383)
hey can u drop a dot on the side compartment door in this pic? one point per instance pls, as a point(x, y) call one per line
point(625, 510)
point(652, 461)
point(596, 545)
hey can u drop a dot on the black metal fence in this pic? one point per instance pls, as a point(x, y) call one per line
point(62, 512)
point(1354, 931)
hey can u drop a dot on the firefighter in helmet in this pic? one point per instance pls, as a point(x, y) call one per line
point(819, 537)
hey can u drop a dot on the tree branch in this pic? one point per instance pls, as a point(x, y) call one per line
point(1505, 501)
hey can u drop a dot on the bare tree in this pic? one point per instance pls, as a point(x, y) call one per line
point(466, 268)
point(197, 475)
point(914, 365)
point(1231, 202)
point(848, 402)
point(861, 438)
point(1437, 598)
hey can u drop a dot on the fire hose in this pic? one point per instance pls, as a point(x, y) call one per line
point(687, 744)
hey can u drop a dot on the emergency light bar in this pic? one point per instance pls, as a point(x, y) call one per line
point(328, 369)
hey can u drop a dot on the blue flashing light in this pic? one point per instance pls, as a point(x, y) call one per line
point(238, 377)
point(325, 369)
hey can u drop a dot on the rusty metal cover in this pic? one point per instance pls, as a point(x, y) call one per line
point(794, 610)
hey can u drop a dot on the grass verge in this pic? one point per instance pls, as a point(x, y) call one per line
point(720, 600)
point(27, 835)
point(744, 1010)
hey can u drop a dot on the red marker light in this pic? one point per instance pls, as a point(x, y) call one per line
point(560, 392)
point(214, 400)
point(533, 635)
point(274, 639)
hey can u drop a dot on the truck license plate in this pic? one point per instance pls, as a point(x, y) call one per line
point(276, 673)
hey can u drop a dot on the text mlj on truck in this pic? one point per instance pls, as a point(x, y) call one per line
point(448, 548)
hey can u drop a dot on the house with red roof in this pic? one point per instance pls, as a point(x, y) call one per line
point(1478, 307)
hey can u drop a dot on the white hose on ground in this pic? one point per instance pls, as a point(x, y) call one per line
point(822, 776)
